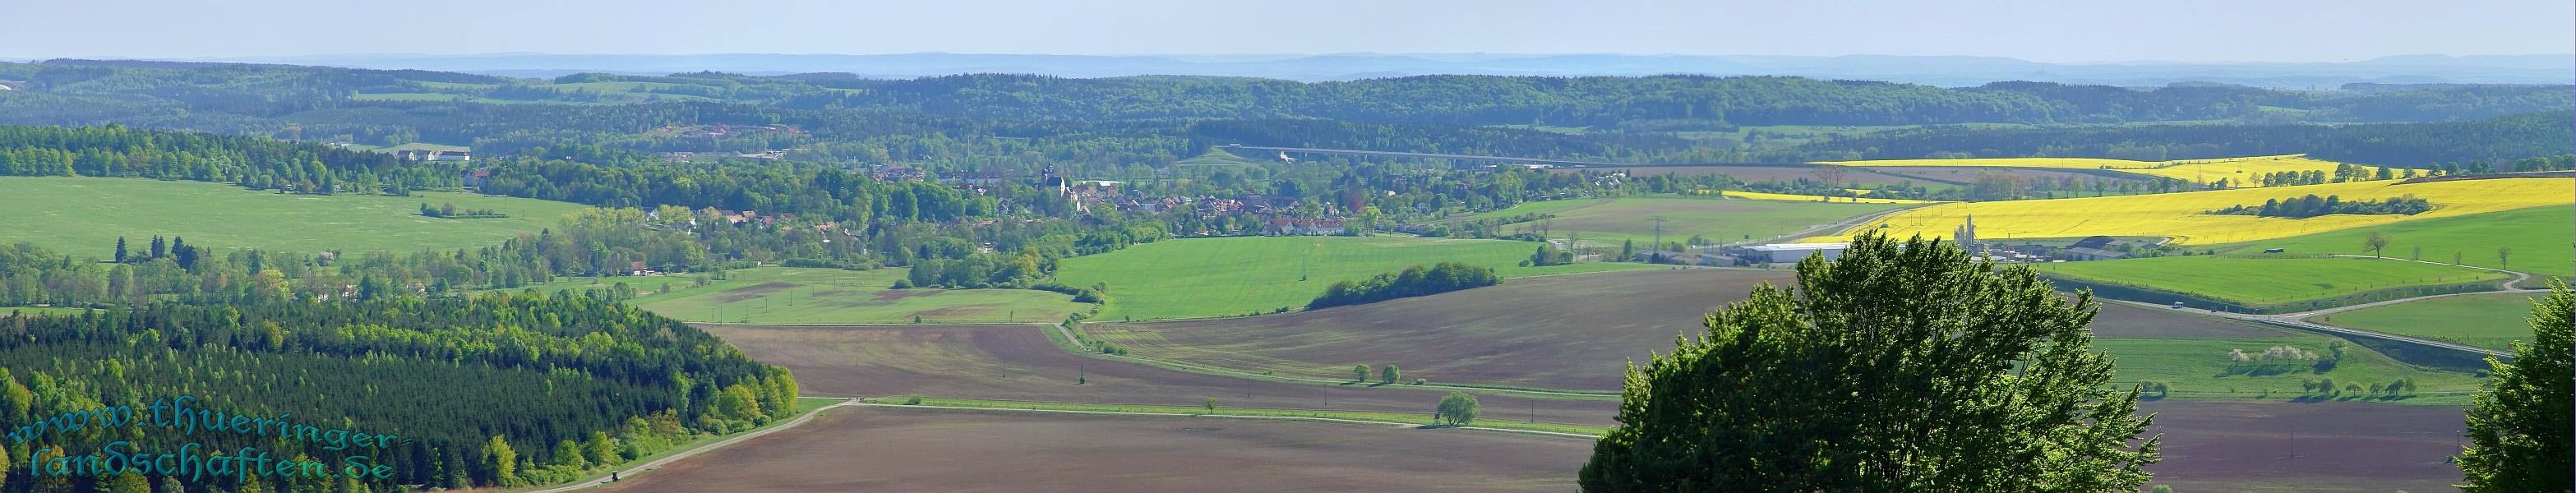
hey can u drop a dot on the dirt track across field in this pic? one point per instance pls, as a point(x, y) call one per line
point(883, 449)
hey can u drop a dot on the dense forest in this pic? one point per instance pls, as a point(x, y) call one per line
point(2415, 145)
point(544, 371)
point(1119, 127)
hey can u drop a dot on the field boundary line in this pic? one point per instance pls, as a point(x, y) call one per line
point(1224, 372)
point(1230, 416)
point(701, 449)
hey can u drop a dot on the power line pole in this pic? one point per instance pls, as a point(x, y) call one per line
point(1659, 231)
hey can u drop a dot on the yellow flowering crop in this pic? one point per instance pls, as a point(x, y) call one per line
point(2179, 215)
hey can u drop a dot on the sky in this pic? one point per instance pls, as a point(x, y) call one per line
point(2063, 31)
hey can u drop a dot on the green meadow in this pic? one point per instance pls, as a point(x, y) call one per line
point(1607, 222)
point(84, 216)
point(2483, 320)
point(2265, 281)
point(2538, 237)
point(2198, 368)
point(1204, 277)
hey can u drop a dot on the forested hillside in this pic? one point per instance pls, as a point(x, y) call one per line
point(2399, 144)
point(481, 391)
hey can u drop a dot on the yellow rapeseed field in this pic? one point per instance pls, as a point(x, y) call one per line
point(1817, 198)
point(2179, 215)
point(2239, 172)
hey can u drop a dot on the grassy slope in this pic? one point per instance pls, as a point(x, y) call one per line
point(2194, 368)
point(84, 216)
point(1609, 221)
point(2484, 320)
point(2538, 237)
point(2265, 281)
point(788, 295)
point(1234, 276)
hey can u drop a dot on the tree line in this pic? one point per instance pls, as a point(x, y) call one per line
point(2310, 205)
point(1412, 281)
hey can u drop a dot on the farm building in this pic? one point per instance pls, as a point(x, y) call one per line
point(1788, 252)
point(429, 155)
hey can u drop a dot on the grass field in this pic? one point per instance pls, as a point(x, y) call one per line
point(1609, 221)
point(2197, 369)
point(2265, 281)
point(40, 310)
point(1820, 198)
point(2179, 215)
point(2483, 320)
point(788, 295)
point(1207, 277)
point(2538, 237)
point(84, 216)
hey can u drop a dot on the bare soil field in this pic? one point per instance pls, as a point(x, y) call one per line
point(1018, 362)
point(2209, 445)
point(2321, 446)
point(1567, 332)
point(879, 449)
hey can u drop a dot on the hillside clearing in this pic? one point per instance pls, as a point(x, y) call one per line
point(84, 216)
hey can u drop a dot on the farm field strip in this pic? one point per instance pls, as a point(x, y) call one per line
point(84, 216)
point(2483, 320)
point(1205, 277)
point(2180, 215)
point(880, 448)
point(791, 295)
point(1820, 198)
point(1418, 420)
point(2266, 281)
point(1608, 222)
point(2536, 233)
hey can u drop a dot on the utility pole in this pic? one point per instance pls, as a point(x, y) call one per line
point(1659, 231)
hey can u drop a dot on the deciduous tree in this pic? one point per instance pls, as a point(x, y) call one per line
point(2518, 424)
point(1902, 366)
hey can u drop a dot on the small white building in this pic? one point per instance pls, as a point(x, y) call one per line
point(1783, 253)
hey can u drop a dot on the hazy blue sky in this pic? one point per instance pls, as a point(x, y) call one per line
point(2042, 30)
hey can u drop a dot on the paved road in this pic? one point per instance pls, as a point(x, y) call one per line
point(631, 471)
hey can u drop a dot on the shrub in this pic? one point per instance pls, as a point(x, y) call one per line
point(912, 400)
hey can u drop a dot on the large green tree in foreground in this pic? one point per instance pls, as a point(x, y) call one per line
point(2519, 427)
point(1902, 366)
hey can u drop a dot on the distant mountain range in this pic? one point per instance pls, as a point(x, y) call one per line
point(1935, 70)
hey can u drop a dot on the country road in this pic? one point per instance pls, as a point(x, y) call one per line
point(631, 471)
